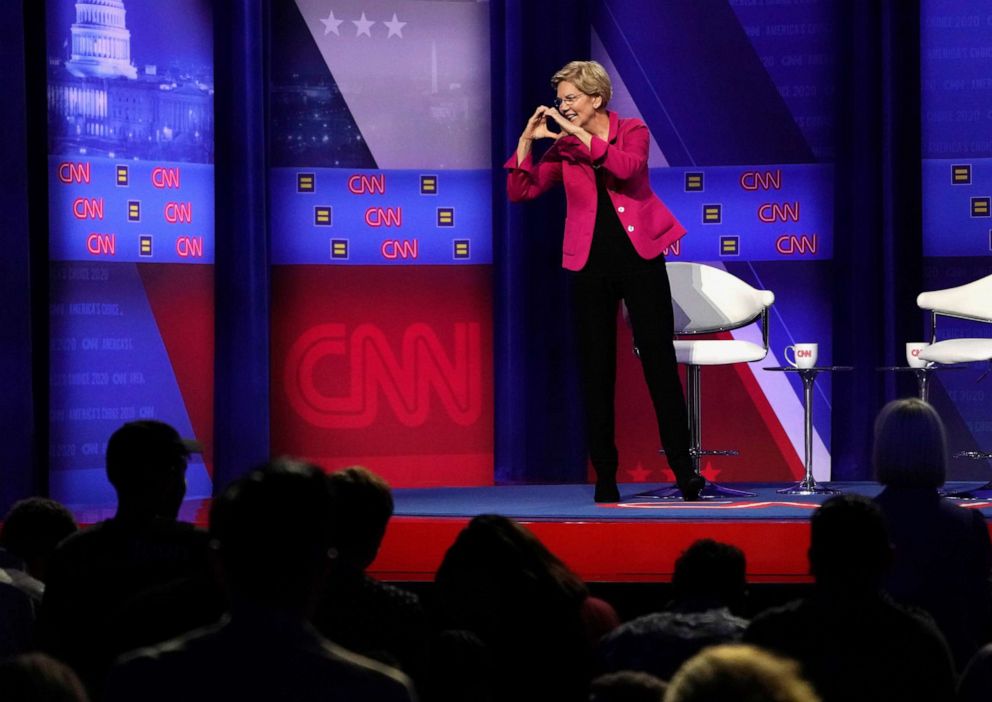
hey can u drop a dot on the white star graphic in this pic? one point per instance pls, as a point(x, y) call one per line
point(363, 26)
point(331, 24)
point(395, 27)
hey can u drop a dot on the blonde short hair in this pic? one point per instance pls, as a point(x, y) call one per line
point(739, 672)
point(910, 445)
point(588, 76)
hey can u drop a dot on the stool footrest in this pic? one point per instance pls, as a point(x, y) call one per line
point(974, 455)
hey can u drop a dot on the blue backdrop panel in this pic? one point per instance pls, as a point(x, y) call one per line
point(699, 83)
point(109, 365)
point(132, 211)
point(131, 180)
point(956, 61)
point(765, 213)
point(957, 209)
point(364, 217)
point(797, 44)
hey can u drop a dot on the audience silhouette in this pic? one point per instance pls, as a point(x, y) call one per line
point(942, 553)
point(853, 641)
point(36, 677)
point(627, 686)
point(17, 620)
point(31, 531)
point(95, 573)
point(708, 582)
point(501, 583)
point(461, 667)
point(275, 601)
point(976, 680)
point(739, 673)
point(274, 539)
point(357, 611)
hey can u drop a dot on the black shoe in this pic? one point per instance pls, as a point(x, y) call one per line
point(606, 491)
point(692, 487)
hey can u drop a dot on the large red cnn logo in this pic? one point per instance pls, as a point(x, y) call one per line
point(406, 381)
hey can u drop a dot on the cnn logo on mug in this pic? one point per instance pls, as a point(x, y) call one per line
point(803, 355)
point(913, 351)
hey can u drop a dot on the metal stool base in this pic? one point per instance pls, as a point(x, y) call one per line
point(808, 487)
point(982, 493)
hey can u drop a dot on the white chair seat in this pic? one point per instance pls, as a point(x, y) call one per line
point(958, 351)
point(716, 352)
point(969, 301)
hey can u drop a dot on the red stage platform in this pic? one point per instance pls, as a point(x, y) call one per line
point(608, 551)
point(636, 540)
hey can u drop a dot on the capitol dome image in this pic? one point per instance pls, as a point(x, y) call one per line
point(101, 42)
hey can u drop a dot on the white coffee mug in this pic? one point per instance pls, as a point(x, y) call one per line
point(804, 355)
point(913, 349)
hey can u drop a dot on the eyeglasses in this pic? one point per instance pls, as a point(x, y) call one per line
point(567, 100)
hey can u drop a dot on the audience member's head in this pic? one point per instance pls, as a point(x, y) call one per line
point(273, 533)
point(849, 544)
point(498, 560)
point(363, 505)
point(146, 464)
point(739, 673)
point(501, 583)
point(710, 574)
point(910, 445)
point(627, 686)
point(33, 528)
point(36, 677)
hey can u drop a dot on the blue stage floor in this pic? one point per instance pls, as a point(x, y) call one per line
point(636, 540)
point(574, 502)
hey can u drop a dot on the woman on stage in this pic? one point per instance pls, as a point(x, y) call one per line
point(616, 231)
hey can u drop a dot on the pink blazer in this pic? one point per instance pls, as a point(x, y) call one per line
point(647, 221)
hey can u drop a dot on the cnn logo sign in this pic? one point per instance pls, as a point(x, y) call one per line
point(408, 381)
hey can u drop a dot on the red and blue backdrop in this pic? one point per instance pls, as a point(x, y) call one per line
point(131, 233)
point(340, 276)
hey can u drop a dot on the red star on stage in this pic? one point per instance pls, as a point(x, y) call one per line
point(709, 472)
point(638, 474)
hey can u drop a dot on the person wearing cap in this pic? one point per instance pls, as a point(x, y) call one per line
point(101, 572)
point(264, 648)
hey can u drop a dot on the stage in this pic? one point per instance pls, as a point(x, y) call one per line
point(635, 540)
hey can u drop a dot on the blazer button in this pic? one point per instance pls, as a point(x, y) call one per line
point(630, 228)
point(620, 209)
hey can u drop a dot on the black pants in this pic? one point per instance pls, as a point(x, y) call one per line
point(649, 302)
